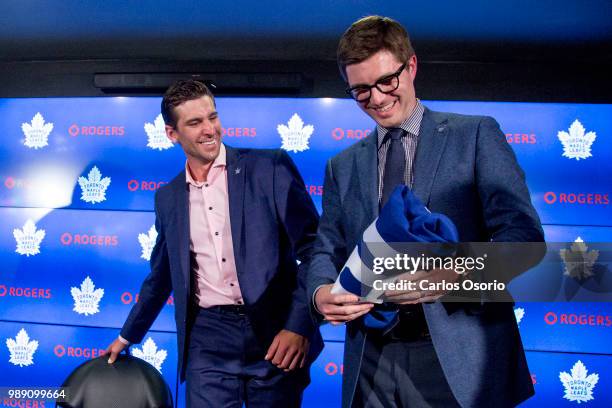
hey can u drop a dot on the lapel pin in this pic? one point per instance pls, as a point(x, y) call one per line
point(237, 171)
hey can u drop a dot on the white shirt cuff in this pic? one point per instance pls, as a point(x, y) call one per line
point(124, 341)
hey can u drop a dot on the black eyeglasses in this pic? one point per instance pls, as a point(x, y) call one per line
point(388, 84)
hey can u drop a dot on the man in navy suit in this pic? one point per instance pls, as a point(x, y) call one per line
point(439, 354)
point(231, 228)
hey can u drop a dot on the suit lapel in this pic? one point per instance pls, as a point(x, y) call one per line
point(236, 173)
point(366, 163)
point(432, 138)
point(181, 194)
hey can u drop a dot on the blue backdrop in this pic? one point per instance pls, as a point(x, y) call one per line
point(77, 179)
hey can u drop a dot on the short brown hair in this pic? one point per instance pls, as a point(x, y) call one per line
point(182, 91)
point(368, 35)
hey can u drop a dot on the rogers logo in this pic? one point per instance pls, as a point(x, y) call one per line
point(332, 368)
point(551, 197)
point(79, 352)
point(84, 239)
point(574, 319)
point(23, 403)
point(550, 318)
point(11, 183)
point(521, 138)
point(239, 132)
point(339, 133)
point(42, 293)
point(128, 298)
point(314, 190)
point(143, 185)
point(76, 130)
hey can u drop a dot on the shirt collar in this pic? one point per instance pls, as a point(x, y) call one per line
point(411, 124)
point(220, 161)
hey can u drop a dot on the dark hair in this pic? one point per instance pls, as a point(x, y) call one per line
point(182, 91)
point(368, 35)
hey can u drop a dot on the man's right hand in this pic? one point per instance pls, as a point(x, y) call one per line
point(114, 349)
point(338, 309)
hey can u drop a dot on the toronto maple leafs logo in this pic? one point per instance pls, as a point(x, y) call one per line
point(87, 298)
point(22, 349)
point(156, 132)
point(578, 260)
point(150, 354)
point(578, 386)
point(147, 242)
point(93, 188)
point(519, 313)
point(37, 132)
point(295, 136)
point(576, 143)
point(28, 239)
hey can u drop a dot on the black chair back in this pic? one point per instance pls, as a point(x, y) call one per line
point(127, 383)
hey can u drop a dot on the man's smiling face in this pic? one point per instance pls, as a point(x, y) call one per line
point(388, 110)
point(197, 130)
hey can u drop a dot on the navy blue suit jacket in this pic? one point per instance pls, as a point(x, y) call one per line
point(273, 223)
point(465, 169)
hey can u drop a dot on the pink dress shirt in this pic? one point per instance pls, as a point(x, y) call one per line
point(210, 239)
point(210, 244)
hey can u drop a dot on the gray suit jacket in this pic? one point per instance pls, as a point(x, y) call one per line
point(464, 169)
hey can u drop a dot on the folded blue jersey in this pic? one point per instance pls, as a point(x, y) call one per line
point(403, 219)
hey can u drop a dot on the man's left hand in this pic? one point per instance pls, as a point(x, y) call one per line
point(288, 350)
point(422, 281)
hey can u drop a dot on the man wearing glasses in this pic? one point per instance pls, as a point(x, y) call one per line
point(439, 354)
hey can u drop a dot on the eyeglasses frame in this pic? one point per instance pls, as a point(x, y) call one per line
point(376, 84)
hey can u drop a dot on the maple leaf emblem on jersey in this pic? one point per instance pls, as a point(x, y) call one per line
point(578, 386)
point(93, 188)
point(576, 143)
point(22, 349)
point(151, 354)
point(578, 260)
point(28, 239)
point(36, 132)
point(147, 242)
point(156, 133)
point(295, 136)
point(87, 298)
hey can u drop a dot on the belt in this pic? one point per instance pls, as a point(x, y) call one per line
point(232, 309)
point(412, 325)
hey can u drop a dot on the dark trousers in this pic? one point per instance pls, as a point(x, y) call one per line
point(225, 366)
point(401, 369)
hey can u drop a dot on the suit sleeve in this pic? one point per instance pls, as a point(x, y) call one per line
point(299, 219)
point(508, 212)
point(330, 249)
point(154, 291)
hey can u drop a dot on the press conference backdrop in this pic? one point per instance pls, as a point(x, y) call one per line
point(78, 177)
